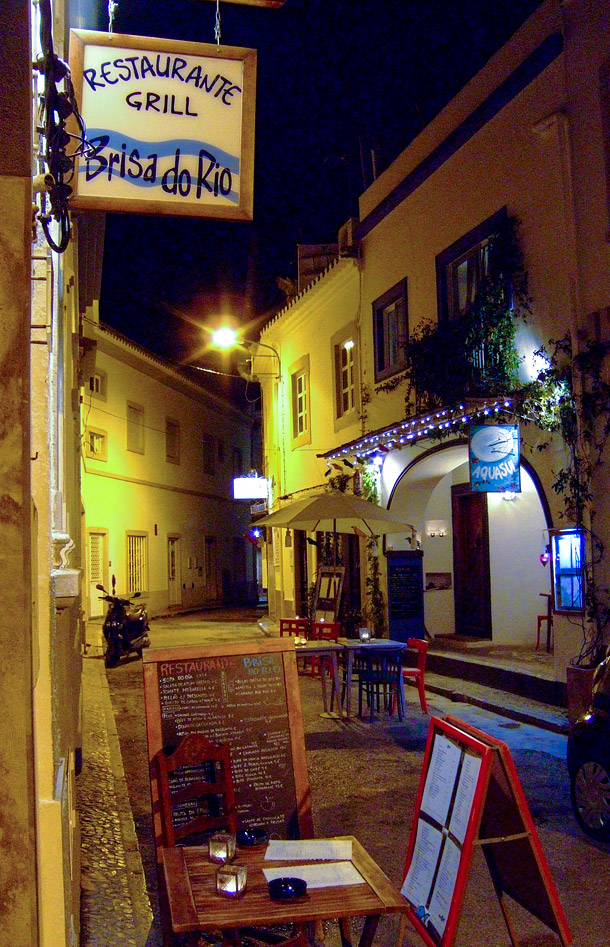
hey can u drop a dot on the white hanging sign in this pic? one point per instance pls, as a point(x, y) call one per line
point(171, 124)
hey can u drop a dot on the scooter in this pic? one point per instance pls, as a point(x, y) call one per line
point(125, 626)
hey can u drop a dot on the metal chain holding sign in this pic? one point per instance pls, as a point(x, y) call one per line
point(112, 6)
point(217, 24)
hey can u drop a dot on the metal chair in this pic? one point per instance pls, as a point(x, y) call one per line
point(380, 681)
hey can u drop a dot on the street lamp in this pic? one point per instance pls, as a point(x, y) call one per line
point(226, 338)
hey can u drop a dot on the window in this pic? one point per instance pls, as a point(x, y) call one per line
point(604, 85)
point(301, 429)
point(390, 331)
point(462, 267)
point(96, 443)
point(344, 352)
point(137, 562)
point(210, 567)
point(135, 427)
point(300, 404)
point(172, 441)
point(345, 376)
point(97, 384)
point(238, 462)
point(567, 570)
point(209, 454)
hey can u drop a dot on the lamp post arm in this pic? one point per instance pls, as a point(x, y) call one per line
point(252, 347)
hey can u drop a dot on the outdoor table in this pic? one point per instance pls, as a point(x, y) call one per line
point(196, 908)
point(351, 646)
point(328, 649)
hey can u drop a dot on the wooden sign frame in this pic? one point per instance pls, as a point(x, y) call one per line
point(171, 124)
point(329, 589)
point(212, 660)
point(470, 795)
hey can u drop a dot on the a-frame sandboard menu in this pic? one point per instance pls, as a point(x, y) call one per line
point(244, 694)
point(470, 795)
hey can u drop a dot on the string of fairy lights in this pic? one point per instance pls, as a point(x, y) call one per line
point(408, 431)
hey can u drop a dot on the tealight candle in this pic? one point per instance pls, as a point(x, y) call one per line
point(231, 880)
point(365, 634)
point(221, 847)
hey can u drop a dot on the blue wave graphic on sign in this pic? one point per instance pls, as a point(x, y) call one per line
point(123, 157)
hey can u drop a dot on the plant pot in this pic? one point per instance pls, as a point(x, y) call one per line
point(579, 684)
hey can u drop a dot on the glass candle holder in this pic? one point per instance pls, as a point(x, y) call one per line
point(364, 634)
point(231, 880)
point(221, 847)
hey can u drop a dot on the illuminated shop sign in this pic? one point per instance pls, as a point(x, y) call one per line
point(250, 488)
point(171, 126)
point(494, 458)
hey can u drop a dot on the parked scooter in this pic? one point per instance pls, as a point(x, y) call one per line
point(125, 626)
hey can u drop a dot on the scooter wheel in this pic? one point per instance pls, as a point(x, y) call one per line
point(112, 655)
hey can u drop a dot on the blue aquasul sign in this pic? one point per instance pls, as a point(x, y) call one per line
point(494, 458)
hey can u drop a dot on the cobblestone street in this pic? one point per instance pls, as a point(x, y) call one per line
point(364, 780)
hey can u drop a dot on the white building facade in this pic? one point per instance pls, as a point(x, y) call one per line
point(159, 454)
point(527, 140)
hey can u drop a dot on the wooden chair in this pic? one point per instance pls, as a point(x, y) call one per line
point(417, 673)
point(380, 681)
point(294, 626)
point(196, 775)
point(548, 618)
point(202, 772)
point(323, 631)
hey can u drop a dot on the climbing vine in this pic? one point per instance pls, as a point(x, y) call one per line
point(571, 395)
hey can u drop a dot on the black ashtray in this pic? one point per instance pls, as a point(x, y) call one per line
point(250, 838)
point(287, 889)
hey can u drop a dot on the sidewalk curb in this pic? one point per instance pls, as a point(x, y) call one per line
point(143, 914)
point(503, 710)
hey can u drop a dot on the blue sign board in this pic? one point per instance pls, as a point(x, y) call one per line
point(494, 458)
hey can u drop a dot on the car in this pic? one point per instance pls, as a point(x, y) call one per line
point(588, 760)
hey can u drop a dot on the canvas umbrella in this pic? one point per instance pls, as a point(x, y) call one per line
point(336, 512)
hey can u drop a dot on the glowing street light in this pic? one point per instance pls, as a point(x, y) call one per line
point(227, 338)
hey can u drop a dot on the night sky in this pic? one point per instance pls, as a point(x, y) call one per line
point(336, 79)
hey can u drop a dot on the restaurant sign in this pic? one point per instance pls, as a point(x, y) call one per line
point(171, 125)
point(494, 458)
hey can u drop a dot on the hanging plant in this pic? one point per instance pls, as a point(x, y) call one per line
point(473, 356)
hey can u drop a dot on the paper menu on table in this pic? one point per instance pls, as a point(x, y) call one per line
point(440, 779)
point(327, 875)
point(309, 850)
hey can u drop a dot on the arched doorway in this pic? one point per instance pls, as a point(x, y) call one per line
point(481, 560)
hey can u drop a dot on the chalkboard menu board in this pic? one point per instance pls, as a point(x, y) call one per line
point(245, 695)
point(405, 594)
